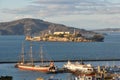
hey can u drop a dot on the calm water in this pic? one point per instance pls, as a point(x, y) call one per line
point(10, 49)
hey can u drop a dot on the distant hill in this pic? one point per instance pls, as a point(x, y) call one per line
point(109, 30)
point(35, 26)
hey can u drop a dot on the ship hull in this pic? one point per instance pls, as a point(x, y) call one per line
point(34, 68)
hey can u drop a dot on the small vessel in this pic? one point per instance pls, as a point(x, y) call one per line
point(30, 38)
point(85, 78)
point(39, 78)
point(79, 67)
point(31, 66)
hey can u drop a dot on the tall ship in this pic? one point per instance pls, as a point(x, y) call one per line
point(50, 67)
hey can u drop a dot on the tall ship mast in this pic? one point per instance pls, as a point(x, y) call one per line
point(41, 56)
point(22, 53)
point(31, 55)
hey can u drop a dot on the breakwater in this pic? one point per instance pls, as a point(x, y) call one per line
point(87, 60)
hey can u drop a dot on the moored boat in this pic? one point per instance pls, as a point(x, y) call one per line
point(79, 67)
point(31, 66)
point(45, 68)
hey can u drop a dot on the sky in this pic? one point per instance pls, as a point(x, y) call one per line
point(83, 14)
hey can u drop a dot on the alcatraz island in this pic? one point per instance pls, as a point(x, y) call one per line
point(66, 37)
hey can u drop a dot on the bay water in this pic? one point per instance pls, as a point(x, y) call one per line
point(10, 50)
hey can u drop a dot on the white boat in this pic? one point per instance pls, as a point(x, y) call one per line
point(78, 67)
point(30, 38)
point(84, 78)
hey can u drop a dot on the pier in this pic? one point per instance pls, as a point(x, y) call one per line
point(100, 73)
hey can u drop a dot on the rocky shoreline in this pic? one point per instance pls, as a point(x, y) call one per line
point(66, 38)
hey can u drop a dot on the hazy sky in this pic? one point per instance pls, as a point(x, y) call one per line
point(86, 14)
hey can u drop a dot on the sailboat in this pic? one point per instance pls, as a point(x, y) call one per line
point(31, 66)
